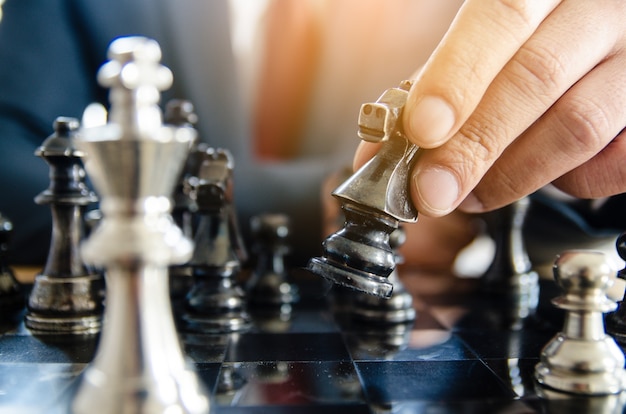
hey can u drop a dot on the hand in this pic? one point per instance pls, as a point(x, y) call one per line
point(431, 244)
point(518, 94)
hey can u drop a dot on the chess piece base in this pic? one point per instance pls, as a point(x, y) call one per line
point(352, 278)
point(69, 305)
point(582, 367)
point(225, 323)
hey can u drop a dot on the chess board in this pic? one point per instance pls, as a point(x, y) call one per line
point(464, 353)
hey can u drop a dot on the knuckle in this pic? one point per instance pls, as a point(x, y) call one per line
point(576, 185)
point(504, 186)
point(586, 124)
point(479, 140)
point(539, 66)
point(519, 8)
point(477, 148)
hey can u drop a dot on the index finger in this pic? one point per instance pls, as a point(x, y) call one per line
point(480, 41)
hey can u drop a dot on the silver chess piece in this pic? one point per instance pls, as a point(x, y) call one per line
point(216, 302)
point(134, 161)
point(582, 358)
point(67, 296)
point(374, 200)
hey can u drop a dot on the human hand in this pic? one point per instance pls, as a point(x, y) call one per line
point(517, 95)
point(432, 244)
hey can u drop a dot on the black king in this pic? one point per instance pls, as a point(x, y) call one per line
point(374, 200)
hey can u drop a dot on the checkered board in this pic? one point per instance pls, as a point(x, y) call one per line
point(464, 353)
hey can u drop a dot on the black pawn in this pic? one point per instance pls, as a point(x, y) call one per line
point(616, 321)
point(269, 285)
point(11, 293)
point(398, 308)
point(215, 303)
point(511, 276)
point(66, 295)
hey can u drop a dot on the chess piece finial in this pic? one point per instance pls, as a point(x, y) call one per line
point(215, 303)
point(11, 292)
point(582, 359)
point(66, 295)
point(134, 162)
point(374, 200)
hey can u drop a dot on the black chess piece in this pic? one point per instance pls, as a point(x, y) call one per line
point(216, 302)
point(181, 113)
point(11, 292)
point(511, 279)
point(374, 200)
point(582, 358)
point(398, 308)
point(66, 295)
point(616, 321)
point(269, 286)
point(270, 291)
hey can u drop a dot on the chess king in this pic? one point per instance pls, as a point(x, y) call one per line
point(134, 162)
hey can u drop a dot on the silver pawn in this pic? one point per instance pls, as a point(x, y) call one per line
point(582, 358)
point(67, 296)
point(134, 162)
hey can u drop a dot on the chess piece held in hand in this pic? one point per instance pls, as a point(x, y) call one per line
point(582, 358)
point(374, 200)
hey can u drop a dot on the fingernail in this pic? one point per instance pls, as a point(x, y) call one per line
point(431, 120)
point(438, 189)
point(471, 204)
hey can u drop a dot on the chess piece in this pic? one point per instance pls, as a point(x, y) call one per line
point(582, 359)
point(616, 321)
point(511, 276)
point(269, 285)
point(11, 292)
point(399, 307)
point(378, 341)
point(134, 162)
point(181, 113)
point(374, 200)
point(215, 303)
point(66, 295)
